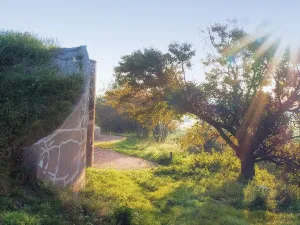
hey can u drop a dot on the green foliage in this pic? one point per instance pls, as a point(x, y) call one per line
point(181, 54)
point(261, 192)
point(141, 81)
point(201, 137)
point(40, 204)
point(111, 121)
point(147, 108)
point(208, 196)
point(19, 218)
point(35, 97)
point(195, 189)
point(214, 175)
point(123, 215)
point(257, 124)
point(142, 68)
point(19, 51)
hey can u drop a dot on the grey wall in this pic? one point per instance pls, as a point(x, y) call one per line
point(61, 157)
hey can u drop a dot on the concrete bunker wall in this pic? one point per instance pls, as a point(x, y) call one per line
point(61, 157)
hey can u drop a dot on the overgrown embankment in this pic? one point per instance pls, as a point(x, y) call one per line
point(35, 97)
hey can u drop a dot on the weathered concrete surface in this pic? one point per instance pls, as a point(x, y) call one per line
point(61, 156)
point(73, 60)
point(91, 122)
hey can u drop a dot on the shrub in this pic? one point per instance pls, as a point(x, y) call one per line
point(123, 215)
point(288, 197)
point(261, 192)
point(35, 97)
point(111, 121)
point(19, 218)
point(201, 137)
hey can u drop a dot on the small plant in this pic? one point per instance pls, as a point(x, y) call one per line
point(19, 218)
point(123, 215)
point(260, 193)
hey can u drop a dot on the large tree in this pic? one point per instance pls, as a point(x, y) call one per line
point(141, 81)
point(181, 54)
point(252, 90)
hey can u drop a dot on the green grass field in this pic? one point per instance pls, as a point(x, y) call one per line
point(145, 197)
point(192, 189)
point(199, 189)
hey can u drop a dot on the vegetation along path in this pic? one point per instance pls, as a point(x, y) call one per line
point(107, 158)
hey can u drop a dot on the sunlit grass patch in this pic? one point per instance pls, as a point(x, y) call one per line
point(156, 152)
point(118, 188)
point(203, 188)
point(197, 189)
point(153, 198)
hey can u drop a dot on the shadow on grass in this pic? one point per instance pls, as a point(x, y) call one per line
point(185, 206)
point(37, 204)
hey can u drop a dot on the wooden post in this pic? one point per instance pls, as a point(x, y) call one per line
point(91, 123)
point(171, 156)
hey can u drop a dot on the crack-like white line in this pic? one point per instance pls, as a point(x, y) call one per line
point(48, 144)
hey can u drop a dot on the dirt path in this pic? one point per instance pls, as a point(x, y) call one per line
point(105, 137)
point(106, 158)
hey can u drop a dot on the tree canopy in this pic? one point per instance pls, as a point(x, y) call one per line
point(250, 96)
point(142, 80)
point(251, 92)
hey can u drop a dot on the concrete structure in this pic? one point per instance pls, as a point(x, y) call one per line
point(61, 156)
point(91, 123)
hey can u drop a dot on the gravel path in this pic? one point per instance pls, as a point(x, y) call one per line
point(106, 158)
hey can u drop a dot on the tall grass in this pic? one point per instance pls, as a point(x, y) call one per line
point(150, 197)
point(201, 188)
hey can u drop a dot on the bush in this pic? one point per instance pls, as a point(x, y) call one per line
point(35, 97)
point(123, 215)
point(19, 218)
point(201, 165)
point(261, 192)
point(288, 197)
point(111, 121)
point(201, 137)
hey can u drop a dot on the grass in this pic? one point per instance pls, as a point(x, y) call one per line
point(37, 205)
point(156, 152)
point(193, 189)
point(161, 199)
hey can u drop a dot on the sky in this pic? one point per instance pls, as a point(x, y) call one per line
point(111, 28)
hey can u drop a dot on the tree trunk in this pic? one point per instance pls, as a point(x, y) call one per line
point(247, 167)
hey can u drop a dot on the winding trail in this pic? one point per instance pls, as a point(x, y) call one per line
point(109, 159)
